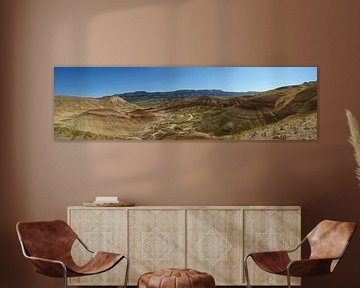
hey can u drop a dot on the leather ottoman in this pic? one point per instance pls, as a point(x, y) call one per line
point(176, 278)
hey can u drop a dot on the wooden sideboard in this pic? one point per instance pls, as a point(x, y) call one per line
point(213, 239)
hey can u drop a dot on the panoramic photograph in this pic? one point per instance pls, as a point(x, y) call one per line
point(185, 103)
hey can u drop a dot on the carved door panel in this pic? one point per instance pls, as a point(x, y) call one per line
point(101, 230)
point(270, 230)
point(156, 240)
point(214, 244)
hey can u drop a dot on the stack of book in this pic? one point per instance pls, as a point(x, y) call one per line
point(106, 199)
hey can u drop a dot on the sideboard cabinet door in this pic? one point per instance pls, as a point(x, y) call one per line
point(270, 230)
point(156, 240)
point(214, 244)
point(101, 230)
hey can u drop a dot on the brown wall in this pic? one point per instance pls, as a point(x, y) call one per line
point(41, 177)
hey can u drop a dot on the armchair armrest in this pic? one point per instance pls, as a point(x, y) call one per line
point(314, 266)
point(84, 245)
point(298, 246)
point(279, 252)
point(49, 267)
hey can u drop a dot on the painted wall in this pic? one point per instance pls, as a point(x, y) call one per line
point(41, 177)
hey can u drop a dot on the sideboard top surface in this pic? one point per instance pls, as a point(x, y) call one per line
point(193, 207)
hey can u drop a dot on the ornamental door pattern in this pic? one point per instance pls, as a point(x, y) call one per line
point(214, 241)
point(271, 230)
point(156, 240)
point(100, 230)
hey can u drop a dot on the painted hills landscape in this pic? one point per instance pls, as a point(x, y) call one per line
point(284, 113)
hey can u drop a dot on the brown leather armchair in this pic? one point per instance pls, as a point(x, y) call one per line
point(328, 242)
point(48, 245)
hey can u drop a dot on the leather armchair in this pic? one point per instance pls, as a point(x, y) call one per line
point(48, 245)
point(328, 242)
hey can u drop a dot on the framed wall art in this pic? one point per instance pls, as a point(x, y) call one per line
point(185, 103)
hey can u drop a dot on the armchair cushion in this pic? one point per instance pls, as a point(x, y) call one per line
point(99, 262)
point(272, 262)
point(310, 267)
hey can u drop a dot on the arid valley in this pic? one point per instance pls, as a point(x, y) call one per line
point(284, 113)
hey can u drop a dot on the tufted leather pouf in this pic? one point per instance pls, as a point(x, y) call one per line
point(176, 278)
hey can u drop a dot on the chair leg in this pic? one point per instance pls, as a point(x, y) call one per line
point(288, 278)
point(127, 271)
point(65, 276)
point(246, 270)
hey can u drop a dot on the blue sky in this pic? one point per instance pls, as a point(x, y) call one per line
point(102, 81)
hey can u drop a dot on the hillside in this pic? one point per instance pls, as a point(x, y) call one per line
point(229, 117)
point(68, 106)
point(139, 96)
